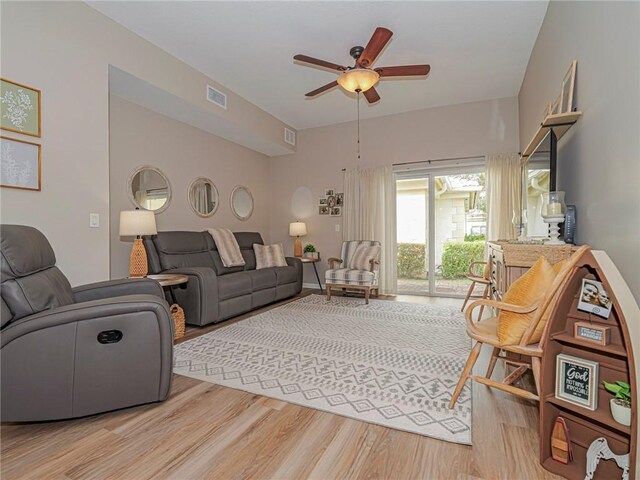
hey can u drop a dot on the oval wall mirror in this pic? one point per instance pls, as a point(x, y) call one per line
point(241, 202)
point(149, 188)
point(203, 197)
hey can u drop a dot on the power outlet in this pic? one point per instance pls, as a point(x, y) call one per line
point(94, 220)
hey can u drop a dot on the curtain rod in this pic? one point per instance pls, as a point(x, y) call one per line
point(434, 160)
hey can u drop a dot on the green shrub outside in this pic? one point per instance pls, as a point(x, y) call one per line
point(457, 256)
point(412, 260)
point(473, 238)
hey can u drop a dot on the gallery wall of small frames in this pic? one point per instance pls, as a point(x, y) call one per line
point(331, 203)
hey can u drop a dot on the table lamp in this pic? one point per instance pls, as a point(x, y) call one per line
point(297, 229)
point(136, 223)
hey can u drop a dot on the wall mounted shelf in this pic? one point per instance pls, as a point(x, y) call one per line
point(560, 123)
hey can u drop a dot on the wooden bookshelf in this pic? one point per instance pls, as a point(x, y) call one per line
point(615, 363)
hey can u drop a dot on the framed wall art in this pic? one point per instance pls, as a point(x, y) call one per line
point(19, 164)
point(19, 108)
point(577, 381)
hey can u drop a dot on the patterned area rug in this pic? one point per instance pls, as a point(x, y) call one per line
point(391, 363)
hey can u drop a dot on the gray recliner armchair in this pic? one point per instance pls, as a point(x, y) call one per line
point(67, 352)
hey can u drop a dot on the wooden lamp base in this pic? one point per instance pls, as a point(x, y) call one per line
point(138, 261)
point(297, 248)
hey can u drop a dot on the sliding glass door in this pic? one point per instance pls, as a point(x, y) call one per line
point(441, 226)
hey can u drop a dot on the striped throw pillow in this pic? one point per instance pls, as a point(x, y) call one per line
point(268, 256)
point(362, 256)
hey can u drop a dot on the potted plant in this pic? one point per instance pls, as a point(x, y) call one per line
point(310, 251)
point(621, 403)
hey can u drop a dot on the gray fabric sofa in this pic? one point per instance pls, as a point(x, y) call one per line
point(214, 292)
point(70, 352)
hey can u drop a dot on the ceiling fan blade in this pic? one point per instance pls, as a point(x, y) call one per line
point(404, 71)
point(378, 40)
point(324, 88)
point(371, 95)
point(320, 63)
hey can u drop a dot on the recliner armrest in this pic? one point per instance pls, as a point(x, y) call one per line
point(200, 297)
point(105, 307)
point(117, 288)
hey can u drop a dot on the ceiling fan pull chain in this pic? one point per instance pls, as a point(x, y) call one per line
point(358, 126)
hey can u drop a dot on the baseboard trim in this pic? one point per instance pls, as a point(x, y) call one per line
point(312, 285)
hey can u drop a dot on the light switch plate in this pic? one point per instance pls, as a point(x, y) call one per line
point(337, 227)
point(94, 220)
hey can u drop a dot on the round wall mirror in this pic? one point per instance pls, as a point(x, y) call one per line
point(241, 202)
point(203, 197)
point(149, 189)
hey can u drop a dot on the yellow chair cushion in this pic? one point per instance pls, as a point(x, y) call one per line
point(530, 288)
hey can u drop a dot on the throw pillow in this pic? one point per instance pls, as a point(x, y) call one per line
point(362, 256)
point(526, 290)
point(268, 256)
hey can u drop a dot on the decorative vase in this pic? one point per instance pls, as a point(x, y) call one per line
point(621, 414)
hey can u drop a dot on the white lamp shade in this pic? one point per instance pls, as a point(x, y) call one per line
point(137, 222)
point(297, 229)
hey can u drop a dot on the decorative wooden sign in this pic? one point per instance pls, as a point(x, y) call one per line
point(561, 450)
point(577, 381)
point(592, 333)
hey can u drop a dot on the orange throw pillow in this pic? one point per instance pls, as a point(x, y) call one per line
point(530, 288)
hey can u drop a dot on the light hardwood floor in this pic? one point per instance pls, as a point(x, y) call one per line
point(209, 431)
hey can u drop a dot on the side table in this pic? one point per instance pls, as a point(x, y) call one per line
point(168, 281)
point(313, 262)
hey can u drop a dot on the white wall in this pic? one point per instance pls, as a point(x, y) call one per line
point(65, 49)
point(599, 158)
point(141, 137)
point(298, 180)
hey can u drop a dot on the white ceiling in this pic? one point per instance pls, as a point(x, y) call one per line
point(477, 50)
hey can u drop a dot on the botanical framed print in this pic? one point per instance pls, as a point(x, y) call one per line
point(19, 164)
point(19, 108)
point(335, 211)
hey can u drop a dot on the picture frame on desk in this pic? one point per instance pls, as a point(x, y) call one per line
point(591, 332)
point(577, 381)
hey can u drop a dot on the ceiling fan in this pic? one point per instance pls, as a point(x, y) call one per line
point(362, 77)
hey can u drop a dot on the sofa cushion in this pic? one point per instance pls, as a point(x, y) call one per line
point(234, 285)
point(31, 283)
point(183, 249)
point(245, 242)
point(347, 276)
point(268, 256)
point(286, 275)
point(261, 279)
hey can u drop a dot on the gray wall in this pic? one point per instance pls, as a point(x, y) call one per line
point(141, 137)
point(599, 158)
point(298, 180)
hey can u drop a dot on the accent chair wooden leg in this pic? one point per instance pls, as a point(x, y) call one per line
point(495, 355)
point(466, 373)
point(466, 299)
point(367, 292)
point(484, 295)
point(535, 368)
point(328, 288)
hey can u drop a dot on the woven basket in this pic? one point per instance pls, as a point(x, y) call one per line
point(525, 255)
point(178, 319)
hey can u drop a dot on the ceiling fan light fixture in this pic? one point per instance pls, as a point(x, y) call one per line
point(358, 79)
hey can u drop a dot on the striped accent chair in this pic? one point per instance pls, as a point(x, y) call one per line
point(341, 276)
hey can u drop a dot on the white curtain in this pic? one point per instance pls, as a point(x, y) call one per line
point(504, 185)
point(199, 198)
point(370, 214)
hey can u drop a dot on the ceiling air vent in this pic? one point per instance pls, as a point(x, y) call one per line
point(289, 136)
point(216, 96)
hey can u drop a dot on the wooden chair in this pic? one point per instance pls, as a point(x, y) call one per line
point(339, 276)
point(483, 280)
point(522, 355)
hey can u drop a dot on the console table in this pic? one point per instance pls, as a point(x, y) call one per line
point(509, 261)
